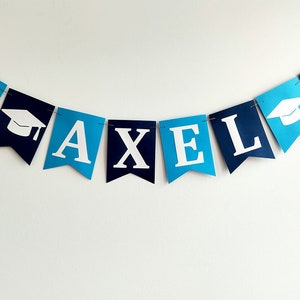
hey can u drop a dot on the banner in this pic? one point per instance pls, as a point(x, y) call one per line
point(280, 107)
point(186, 146)
point(131, 149)
point(240, 134)
point(185, 141)
point(74, 141)
point(23, 121)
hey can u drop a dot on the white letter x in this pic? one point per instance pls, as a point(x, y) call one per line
point(131, 148)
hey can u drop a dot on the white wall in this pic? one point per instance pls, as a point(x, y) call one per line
point(226, 237)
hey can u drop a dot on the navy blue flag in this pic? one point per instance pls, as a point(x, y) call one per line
point(131, 149)
point(240, 134)
point(23, 121)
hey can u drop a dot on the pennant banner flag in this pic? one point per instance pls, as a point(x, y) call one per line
point(23, 121)
point(75, 141)
point(240, 134)
point(2, 87)
point(280, 107)
point(131, 149)
point(186, 146)
point(131, 144)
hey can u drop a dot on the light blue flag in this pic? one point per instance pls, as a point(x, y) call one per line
point(2, 87)
point(186, 146)
point(280, 107)
point(75, 141)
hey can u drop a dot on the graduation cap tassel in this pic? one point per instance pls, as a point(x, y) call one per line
point(37, 134)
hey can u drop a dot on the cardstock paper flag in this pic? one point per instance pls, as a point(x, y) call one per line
point(240, 134)
point(280, 107)
point(75, 141)
point(2, 87)
point(131, 149)
point(23, 121)
point(186, 146)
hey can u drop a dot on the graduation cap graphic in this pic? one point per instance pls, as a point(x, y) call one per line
point(22, 121)
point(287, 110)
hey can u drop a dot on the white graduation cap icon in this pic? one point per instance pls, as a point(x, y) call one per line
point(22, 122)
point(287, 110)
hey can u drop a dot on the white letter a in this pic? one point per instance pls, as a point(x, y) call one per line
point(78, 128)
